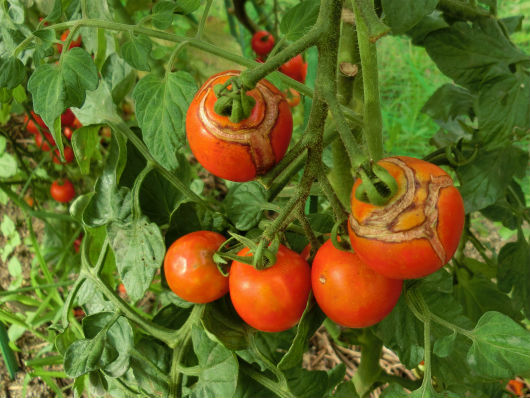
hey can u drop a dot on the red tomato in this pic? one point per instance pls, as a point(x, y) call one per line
point(31, 126)
point(190, 270)
point(74, 43)
point(295, 68)
point(239, 151)
point(262, 42)
point(68, 156)
point(78, 312)
point(273, 299)
point(76, 124)
point(348, 291)
point(67, 118)
point(77, 243)
point(418, 231)
point(516, 386)
point(293, 97)
point(67, 131)
point(42, 143)
point(62, 190)
point(39, 120)
point(121, 288)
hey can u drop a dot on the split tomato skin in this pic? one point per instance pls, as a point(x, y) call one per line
point(239, 151)
point(348, 291)
point(190, 270)
point(273, 299)
point(262, 42)
point(418, 231)
point(62, 190)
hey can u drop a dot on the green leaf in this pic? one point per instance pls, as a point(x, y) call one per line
point(136, 52)
point(426, 25)
point(347, 390)
point(187, 6)
point(299, 19)
point(12, 72)
point(393, 391)
point(98, 107)
point(507, 208)
point(514, 273)
point(444, 346)
point(243, 204)
point(85, 143)
point(80, 74)
point(163, 14)
point(471, 54)
point(139, 249)
point(161, 106)
point(86, 355)
point(448, 102)
point(119, 76)
point(403, 15)
point(306, 383)
point(8, 165)
point(513, 24)
point(504, 109)
point(485, 179)
point(501, 347)
point(146, 374)
point(223, 325)
point(218, 367)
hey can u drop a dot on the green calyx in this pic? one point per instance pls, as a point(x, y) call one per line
point(378, 187)
point(233, 102)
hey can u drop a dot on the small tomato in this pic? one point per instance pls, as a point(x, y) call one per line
point(295, 68)
point(62, 190)
point(262, 42)
point(68, 156)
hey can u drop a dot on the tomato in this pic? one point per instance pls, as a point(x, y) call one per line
point(239, 151)
point(295, 68)
point(29, 200)
point(78, 312)
point(190, 270)
point(39, 120)
point(418, 231)
point(76, 124)
point(77, 243)
point(62, 190)
point(516, 386)
point(68, 156)
point(67, 131)
point(121, 289)
point(348, 291)
point(42, 143)
point(74, 43)
point(273, 299)
point(68, 118)
point(31, 126)
point(262, 42)
point(293, 97)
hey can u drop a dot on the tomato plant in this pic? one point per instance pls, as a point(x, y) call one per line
point(262, 42)
point(239, 151)
point(271, 299)
point(62, 190)
point(349, 291)
point(190, 270)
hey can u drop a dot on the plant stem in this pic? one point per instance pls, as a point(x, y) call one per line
point(338, 209)
point(202, 23)
point(368, 371)
point(373, 131)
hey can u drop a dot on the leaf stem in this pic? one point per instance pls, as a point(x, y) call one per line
point(202, 23)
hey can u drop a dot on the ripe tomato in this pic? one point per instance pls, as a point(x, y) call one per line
point(76, 124)
point(39, 120)
point(293, 97)
point(68, 156)
point(67, 131)
point(295, 68)
point(77, 243)
point(348, 291)
point(67, 118)
point(121, 289)
point(516, 386)
point(29, 200)
point(31, 126)
point(62, 190)
point(239, 151)
point(190, 270)
point(273, 299)
point(418, 231)
point(42, 143)
point(74, 43)
point(262, 42)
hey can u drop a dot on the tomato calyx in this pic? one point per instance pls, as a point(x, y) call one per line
point(339, 236)
point(261, 255)
point(378, 187)
point(233, 100)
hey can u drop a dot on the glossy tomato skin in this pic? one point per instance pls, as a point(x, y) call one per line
point(418, 231)
point(262, 42)
point(239, 151)
point(68, 156)
point(273, 299)
point(190, 270)
point(42, 143)
point(295, 68)
point(62, 190)
point(67, 131)
point(348, 291)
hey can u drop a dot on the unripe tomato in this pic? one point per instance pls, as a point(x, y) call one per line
point(42, 143)
point(67, 118)
point(418, 231)
point(68, 156)
point(295, 68)
point(273, 299)
point(74, 43)
point(350, 292)
point(262, 42)
point(239, 151)
point(62, 190)
point(190, 270)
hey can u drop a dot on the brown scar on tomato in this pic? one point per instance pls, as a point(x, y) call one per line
point(379, 225)
point(257, 138)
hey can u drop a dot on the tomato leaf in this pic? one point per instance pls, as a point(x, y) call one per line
point(501, 347)
point(162, 16)
point(243, 204)
point(98, 107)
point(12, 72)
point(219, 367)
point(139, 250)
point(187, 6)
point(136, 52)
point(79, 74)
point(299, 19)
point(305, 383)
point(222, 324)
point(148, 375)
point(119, 76)
point(85, 143)
point(402, 16)
point(86, 355)
point(161, 106)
